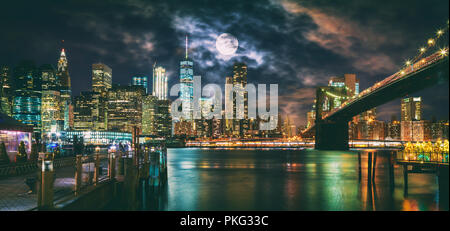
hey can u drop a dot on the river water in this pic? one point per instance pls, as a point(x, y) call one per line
point(276, 179)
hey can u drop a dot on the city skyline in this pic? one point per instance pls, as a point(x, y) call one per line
point(263, 62)
point(231, 105)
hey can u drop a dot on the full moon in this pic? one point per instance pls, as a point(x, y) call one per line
point(227, 44)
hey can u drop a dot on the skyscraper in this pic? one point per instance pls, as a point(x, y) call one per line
point(160, 83)
point(63, 75)
point(124, 108)
point(140, 80)
point(26, 105)
point(49, 77)
point(6, 91)
point(101, 83)
point(240, 79)
point(149, 109)
point(83, 111)
point(411, 109)
point(52, 120)
point(63, 79)
point(228, 127)
point(101, 78)
point(413, 128)
point(187, 84)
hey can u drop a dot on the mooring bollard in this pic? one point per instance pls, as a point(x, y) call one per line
point(47, 185)
point(112, 166)
point(78, 174)
point(96, 168)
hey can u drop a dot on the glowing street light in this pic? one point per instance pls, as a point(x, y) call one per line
point(408, 63)
point(439, 33)
point(422, 50)
point(444, 52)
point(430, 42)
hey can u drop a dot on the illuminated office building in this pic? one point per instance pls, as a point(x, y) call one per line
point(416, 130)
point(52, 120)
point(439, 130)
point(218, 126)
point(160, 87)
point(411, 109)
point(140, 80)
point(49, 77)
point(163, 119)
point(124, 108)
point(101, 83)
point(83, 110)
point(156, 120)
point(149, 110)
point(26, 105)
point(101, 78)
point(203, 127)
point(228, 127)
point(240, 126)
point(412, 127)
point(6, 91)
point(393, 129)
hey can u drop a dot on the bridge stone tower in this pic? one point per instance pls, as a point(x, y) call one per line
point(330, 135)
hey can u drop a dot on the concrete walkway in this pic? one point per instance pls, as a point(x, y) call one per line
point(15, 196)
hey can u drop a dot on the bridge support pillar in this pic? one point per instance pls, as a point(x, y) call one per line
point(332, 135)
point(443, 187)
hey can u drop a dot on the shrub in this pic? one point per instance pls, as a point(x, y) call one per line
point(4, 158)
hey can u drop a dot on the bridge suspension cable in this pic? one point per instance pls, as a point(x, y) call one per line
point(432, 42)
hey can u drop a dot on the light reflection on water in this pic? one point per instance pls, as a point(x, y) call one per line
point(201, 179)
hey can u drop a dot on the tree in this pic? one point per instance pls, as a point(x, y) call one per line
point(22, 153)
point(57, 152)
point(34, 155)
point(4, 158)
point(78, 145)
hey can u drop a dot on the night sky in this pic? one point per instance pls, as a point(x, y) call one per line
point(296, 44)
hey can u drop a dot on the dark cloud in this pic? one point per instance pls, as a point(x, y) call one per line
point(296, 44)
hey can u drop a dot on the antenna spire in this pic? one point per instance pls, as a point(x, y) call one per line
point(186, 47)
